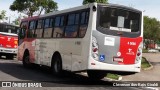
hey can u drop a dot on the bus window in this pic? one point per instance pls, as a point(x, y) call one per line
point(84, 23)
point(46, 24)
point(59, 28)
point(62, 21)
point(22, 33)
point(39, 29)
point(77, 19)
point(51, 22)
point(111, 18)
point(71, 28)
point(83, 17)
point(47, 33)
point(31, 29)
point(57, 21)
point(71, 19)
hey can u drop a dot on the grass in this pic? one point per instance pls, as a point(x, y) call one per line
point(145, 63)
point(145, 51)
point(113, 76)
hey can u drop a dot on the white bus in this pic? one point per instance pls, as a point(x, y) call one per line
point(97, 38)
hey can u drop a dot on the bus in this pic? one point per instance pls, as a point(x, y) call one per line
point(8, 40)
point(93, 38)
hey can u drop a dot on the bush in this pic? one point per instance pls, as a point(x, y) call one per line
point(145, 51)
point(145, 63)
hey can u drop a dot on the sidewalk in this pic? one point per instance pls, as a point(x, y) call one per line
point(147, 75)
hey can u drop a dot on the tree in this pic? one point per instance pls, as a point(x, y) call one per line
point(151, 31)
point(32, 7)
point(2, 14)
point(18, 19)
point(91, 1)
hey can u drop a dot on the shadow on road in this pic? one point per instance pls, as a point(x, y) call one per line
point(5, 58)
point(44, 74)
point(155, 63)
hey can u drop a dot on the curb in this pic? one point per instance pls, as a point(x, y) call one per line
point(119, 79)
point(149, 68)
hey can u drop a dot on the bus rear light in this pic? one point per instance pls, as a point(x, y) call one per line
point(16, 42)
point(139, 53)
point(93, 64)
point(1, 45)
point(94, 48)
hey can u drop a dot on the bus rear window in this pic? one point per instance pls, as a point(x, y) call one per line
point(119, 19)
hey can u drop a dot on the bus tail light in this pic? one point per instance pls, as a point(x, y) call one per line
point(15, 42)
point(94, 48)
point(1, 45)
point(139, 53)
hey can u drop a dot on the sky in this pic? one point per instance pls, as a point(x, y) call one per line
point(149, 7)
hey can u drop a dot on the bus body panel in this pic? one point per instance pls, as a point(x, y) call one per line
point(125, 48)
point(26, 45)
point(70, 49)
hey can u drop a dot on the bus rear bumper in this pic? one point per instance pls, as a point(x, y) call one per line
point(96, 65)
point(8, 51)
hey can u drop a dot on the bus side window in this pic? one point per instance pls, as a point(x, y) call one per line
point(72, 26)
point(31, 29)
point(22, 30)
point(47, 33)
point(83, 23)
point(58, 27)
point(39, 29)
point(22, 33)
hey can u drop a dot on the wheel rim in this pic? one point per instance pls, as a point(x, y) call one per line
point(57, 66)
point(26, 60)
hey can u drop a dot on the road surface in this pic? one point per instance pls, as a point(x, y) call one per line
point(12, 70)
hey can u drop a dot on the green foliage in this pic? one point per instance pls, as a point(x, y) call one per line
point(31, 7)
point(145, 51)
point(18, 19)
point(144, 63)
point(91, 1)
point(151, 30)
point(2, 14)
point(113, 76)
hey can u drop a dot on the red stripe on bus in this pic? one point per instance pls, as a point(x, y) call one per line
point(128, 49)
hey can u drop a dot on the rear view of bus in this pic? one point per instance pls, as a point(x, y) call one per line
point(8, 40)
point(116, 40)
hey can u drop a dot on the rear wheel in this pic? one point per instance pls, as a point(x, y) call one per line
point(56, 66)
point(96, 75)
point(26, 62)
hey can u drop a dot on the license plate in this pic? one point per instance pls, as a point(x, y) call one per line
point(7, 50)
point(118, 59)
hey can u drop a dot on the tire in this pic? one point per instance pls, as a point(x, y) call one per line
point(96, 75)
point(26, 62)
point(56, 66)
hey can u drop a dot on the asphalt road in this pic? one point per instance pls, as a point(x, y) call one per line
point(12, 70)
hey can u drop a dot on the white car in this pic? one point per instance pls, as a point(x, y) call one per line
point(153, 51)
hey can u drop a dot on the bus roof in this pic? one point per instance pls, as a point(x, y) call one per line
point(118, 5)
point(76, 8)
point(68, 10)
point(9, 24)
point(30, 18)
point(12, 34)
point(87, 6)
